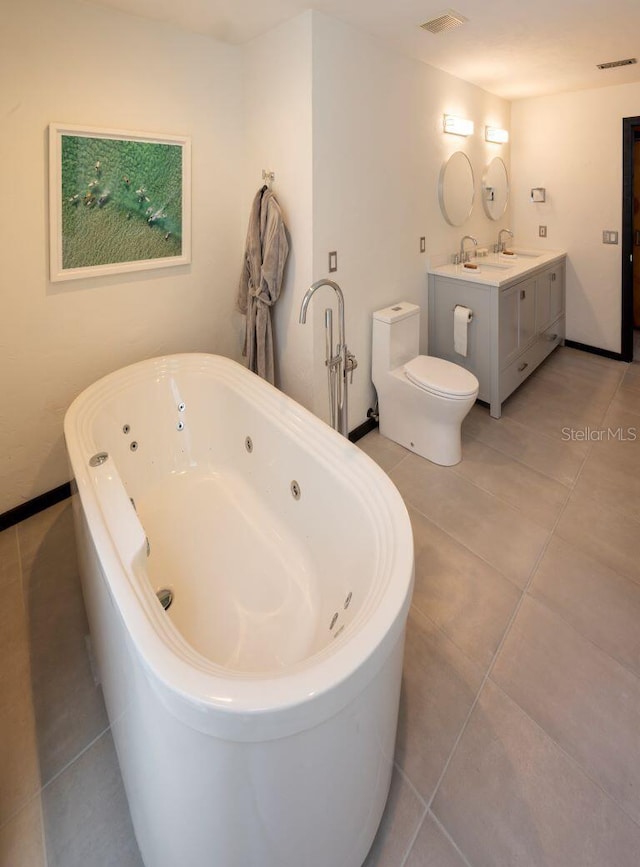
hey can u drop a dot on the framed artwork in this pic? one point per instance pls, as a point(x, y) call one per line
point(118, 201)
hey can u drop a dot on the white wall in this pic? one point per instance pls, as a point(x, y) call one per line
point(571, 143)
point(76, 63)
point(353, 132)
point(378, 148)
point(278, 130)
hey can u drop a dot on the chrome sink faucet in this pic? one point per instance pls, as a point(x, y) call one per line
point(501, 246)
point(464, 257)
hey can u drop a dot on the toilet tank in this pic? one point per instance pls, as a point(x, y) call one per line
point(396, 336)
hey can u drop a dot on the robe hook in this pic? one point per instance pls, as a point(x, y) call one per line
point(269, 177)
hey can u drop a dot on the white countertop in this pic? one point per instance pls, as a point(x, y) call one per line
point(498, 269)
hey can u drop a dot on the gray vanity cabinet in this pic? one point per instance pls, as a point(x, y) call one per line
point(516, 324)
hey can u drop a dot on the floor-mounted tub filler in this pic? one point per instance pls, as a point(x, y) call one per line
point(247, 574)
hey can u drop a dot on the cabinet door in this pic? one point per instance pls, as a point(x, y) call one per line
point(527, 313)
point(508, 325)
point(556, 293)
point(543, 301)
point(549, 296)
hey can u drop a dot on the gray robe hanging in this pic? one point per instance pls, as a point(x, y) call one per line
point(266, 252)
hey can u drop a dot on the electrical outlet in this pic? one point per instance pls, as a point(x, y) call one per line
point(333, 262)
point(542, 231)
point(423, 245)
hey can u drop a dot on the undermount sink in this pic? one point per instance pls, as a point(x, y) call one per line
point(526, 254)
point(488, 266)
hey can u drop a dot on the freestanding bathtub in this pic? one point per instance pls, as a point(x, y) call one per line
point(247, 574)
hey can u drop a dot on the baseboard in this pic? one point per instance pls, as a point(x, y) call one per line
point(584, 347)
point(32, 507)
point(363, 429)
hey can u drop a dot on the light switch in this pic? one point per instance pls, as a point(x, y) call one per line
point(333, 261)
point(609, 237)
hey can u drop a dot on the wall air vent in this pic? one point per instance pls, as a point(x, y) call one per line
point(444, 21)
point(614, 63)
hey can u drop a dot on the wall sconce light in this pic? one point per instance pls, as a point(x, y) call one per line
point(538, 194)
point(458, 125)
point(495, 134)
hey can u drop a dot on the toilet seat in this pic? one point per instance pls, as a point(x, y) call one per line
point(440, 377)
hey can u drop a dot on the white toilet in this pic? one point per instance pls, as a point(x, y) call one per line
point(422, 400)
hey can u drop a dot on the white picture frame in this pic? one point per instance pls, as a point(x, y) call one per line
point(119, 201)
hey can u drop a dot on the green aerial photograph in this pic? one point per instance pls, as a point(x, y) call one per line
point(121, 201)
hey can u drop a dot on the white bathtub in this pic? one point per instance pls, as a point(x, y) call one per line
point(255, 718)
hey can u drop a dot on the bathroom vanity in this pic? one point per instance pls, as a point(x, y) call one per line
point(518, 305)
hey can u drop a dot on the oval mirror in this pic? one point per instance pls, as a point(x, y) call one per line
point(495, 189)
point(456, 189)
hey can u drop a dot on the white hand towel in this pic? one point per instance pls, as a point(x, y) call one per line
point(461, 318)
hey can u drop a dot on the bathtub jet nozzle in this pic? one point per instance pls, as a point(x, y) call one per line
point(166, 598)
point(98, 459)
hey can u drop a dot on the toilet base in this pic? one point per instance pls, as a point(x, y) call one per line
point(439, 443)
point(420, 421)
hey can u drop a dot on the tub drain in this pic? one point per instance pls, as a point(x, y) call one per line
point(166, 598)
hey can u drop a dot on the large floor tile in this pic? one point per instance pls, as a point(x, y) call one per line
point(596, 601)
point(21, 839)
point(629, 391)
point(532, 493)
point(566, 391)
point(567, 360)
point(385, 452)
point(611, 473)
point(468, 599)
point(400, 821)
point(585, 700)
point(33, 531)
point(575, 374)
point(582, 374)
point(602, 532)
point(553, 412)
point(86, 816)
point(438, 689)
point(632, 373)
point(19, 767)
point(627, 398)
point(15, 672)
point(9, 560)
point(558, 459)
point(488, 526)
point(432, 848)
point(623, 425)
point(69, 708)
point(512, 797)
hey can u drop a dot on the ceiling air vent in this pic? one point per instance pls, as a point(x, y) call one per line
point(614, 63)
point(445, 21)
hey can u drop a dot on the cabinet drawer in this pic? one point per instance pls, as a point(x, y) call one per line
point(516, 373)
point(553, 335)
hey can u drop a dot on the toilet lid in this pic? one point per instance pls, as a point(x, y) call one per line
point(441, 376)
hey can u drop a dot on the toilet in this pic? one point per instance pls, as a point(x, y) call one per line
point(422, 400)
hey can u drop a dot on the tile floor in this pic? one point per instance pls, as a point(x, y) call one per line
point(519, 731)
